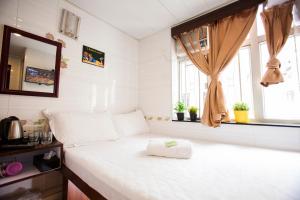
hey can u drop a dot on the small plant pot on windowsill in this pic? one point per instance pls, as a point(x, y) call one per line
point(193, 117)
point(193, 113)
point(180, 116)
point(241, 116)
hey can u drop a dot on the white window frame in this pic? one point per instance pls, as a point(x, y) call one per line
point(258, 101)
point(253, 42)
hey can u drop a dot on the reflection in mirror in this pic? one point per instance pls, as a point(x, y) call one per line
point(31, 65)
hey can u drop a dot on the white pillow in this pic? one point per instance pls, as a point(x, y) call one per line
point(131, 123)
point(79, 128)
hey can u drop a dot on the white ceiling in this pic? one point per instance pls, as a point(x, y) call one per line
point(141, 18)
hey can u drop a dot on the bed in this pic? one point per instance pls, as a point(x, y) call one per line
point(120, 170)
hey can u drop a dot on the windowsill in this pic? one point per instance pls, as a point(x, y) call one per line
point(250, 123)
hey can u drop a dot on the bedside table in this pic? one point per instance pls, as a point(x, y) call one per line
point(26, 157)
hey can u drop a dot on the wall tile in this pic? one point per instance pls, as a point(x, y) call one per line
point(8, 12)
point(38, 16)
point(154, 46)
point(83, 87)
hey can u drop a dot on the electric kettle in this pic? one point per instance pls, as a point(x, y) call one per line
point(11, 130)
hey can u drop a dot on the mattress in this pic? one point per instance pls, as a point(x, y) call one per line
point(120, 170)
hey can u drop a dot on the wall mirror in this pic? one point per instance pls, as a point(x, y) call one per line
point(30, 64)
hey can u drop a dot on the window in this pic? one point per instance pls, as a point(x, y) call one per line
point(241, 79)
point(283, 100)
point(192, 85)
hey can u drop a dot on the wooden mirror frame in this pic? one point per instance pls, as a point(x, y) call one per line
point(4, 63)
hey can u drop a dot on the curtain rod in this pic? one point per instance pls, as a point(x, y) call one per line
point(210, 17)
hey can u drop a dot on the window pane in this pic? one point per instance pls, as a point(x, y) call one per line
point(189, 84)
point(281, 101)
point(175, 84)
point(231, 84)
point(246, 78)
point(203, 91)
point(236, 81)
point(298, 58)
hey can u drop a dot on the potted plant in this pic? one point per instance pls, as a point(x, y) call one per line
point(241, 112)
point(193, 113)
point(180, 108)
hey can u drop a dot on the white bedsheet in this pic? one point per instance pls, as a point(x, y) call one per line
point(121, 170)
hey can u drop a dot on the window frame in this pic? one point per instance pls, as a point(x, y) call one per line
point(258, 96)
point(256, 73)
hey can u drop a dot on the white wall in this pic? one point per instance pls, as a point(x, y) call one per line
point(155, 72)
point(82, 86)
point(156, 55)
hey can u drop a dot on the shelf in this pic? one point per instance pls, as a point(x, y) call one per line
point(26, 157)
point(248, 124)
point(38, 147)
point(29, 171)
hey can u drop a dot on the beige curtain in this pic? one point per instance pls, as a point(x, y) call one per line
point(277, 22)
point(225, 38)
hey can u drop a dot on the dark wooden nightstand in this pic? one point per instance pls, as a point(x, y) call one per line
point(26, 157)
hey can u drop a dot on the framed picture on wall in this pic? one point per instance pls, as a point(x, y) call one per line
point(92, 56)
point(39, 76)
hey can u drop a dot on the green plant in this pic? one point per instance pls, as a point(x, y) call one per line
point(180, 107)
point(193, 110)
point(240, 106)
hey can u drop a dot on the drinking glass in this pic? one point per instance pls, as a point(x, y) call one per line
point(34, 137)
point(46, 137)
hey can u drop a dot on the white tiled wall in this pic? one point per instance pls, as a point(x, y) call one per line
point(155, 98)
point(155, 71)
point(82, 86)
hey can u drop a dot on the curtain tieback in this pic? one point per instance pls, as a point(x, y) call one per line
point(273, 63)
point(215, 78)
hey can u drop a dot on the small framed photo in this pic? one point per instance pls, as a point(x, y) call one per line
point(92, 56)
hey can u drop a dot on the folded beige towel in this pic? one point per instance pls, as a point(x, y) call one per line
point(173, 148)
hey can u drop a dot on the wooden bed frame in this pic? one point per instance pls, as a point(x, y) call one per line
point(69, 175)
